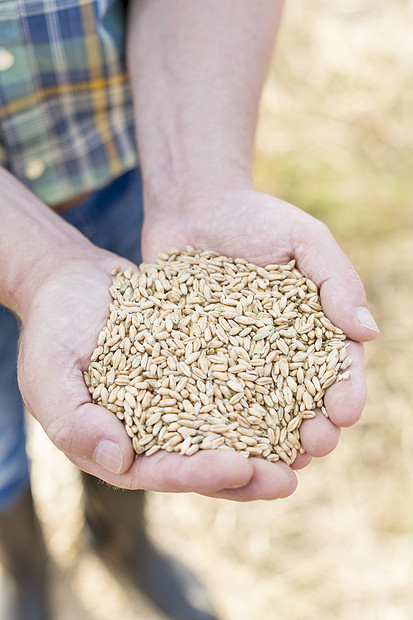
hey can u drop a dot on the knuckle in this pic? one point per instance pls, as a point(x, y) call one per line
point(61, 434)
point(351, 277)
point(321, 228)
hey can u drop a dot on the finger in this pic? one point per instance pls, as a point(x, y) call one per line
point(269, 481)
point(91, 433)
point(345, 400)
point(319, 436)
point(206, 472)
point(342, 293)
point(301, 461)
point(62, 406)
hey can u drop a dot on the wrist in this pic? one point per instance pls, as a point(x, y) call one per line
point(35, 241)
point(168, 195)
point(53, 254)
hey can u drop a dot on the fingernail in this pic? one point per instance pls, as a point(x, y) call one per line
point(108, 454)
point(366, 320)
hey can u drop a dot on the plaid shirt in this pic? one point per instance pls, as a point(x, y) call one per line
point(66, 115)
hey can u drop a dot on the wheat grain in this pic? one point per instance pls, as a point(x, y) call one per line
point(204, 352)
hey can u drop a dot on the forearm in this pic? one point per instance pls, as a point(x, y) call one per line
point(33, 240)
point(197, 71)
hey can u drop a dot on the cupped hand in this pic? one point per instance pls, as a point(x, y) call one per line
point(264, 230)
point(70, 307)
point(60, 329)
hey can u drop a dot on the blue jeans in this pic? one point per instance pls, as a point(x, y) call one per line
point(112, 219)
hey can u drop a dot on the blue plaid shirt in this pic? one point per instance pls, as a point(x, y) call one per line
point(66, 114)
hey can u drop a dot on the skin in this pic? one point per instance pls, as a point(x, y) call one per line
point(195, 126)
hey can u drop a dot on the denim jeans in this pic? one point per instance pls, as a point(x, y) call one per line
point(112, 219)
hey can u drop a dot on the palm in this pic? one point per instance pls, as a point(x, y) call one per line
point(239, 224)
point(60, 334)
point(265, 230)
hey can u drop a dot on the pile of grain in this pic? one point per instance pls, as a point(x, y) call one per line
point(201, 351)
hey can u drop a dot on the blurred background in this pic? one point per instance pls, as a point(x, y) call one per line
point(335, 138)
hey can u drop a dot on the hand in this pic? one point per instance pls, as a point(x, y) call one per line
point(248, 224)
point(61, 324)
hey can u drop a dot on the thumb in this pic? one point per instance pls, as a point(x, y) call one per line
point(57, 397)
point(342, 293)
point(90, 433)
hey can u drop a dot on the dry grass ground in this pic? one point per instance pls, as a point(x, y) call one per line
point(335, 138)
